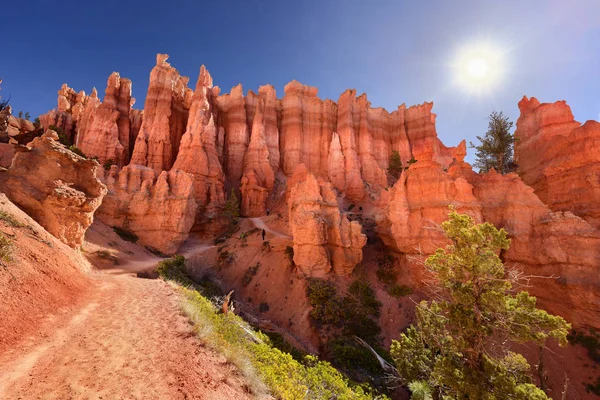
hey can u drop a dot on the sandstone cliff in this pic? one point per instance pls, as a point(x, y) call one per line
point(158, 207)
point(559, 157)
point(324, 239)
point(56, 187)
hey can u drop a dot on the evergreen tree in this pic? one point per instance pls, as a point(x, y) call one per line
point(27, 116)
point(458, 348)
point(232, 207)
point(497, 146)
point(20, 114)
point(395, 167)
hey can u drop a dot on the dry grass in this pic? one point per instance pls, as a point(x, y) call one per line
point(5, 248)
point(10, 219)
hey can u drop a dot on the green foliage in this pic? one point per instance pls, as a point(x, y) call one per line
point(420, 390)
point(10, 219)
point(395, 165)
point(77, 151)
point(250, 273)
point(108, 163)
point(225, 259)
point(62, 136)
point(5, 248)
point(591, 341)
point(253, 352)
point(232, 207)
point(594, 387)
point(27, 115)
point(37, 122)
point(398, 291)
point(411, 161)
point(126, 235)
point(497, 146)
point(350, 356)
point(327, 307)
point(474, 307)
point(20, 114)
point(278, 341)
point(173, 269)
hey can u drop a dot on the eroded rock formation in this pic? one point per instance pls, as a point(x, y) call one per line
point(158, 207)
point(559, 157)
point(56, 187)
point(165, 117)
point(324, 239)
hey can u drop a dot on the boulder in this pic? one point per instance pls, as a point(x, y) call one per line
point(55, 186)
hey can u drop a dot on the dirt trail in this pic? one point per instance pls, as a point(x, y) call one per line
point(260, 224)
point(127, 341)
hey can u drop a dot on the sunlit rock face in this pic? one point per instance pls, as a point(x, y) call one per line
point(559, 157)
point(55, 186)
point(324, 239)
point(165, 117)
point(159, 208)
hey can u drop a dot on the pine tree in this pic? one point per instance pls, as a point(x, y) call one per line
point(458, 348)
point(497, 146)
point(232, 207)
point(395, 166)
point(20, 114)
point(27, 116)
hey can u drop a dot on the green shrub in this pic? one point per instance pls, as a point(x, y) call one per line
point(594, 387)
point(350, 356)
point(173, 269)
point(10, 219)
point(126, 235)
point(327, 306)
point(232, 207)
point(591, 341)
point(77, 151)
point(395, 165)
point(399, 290)
point(225, 258)
point(108, 163)
point(249, 274)
point(386, 275)
point(277, 340)
point(5, 248)
point(62, 136)
point(263, 307)
point(386, 260)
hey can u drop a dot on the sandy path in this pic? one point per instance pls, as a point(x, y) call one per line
point(127, 341)
point(260, 224)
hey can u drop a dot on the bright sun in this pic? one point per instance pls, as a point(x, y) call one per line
point(479, 68)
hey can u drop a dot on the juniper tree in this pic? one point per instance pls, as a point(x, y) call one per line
point(458, 348)
point(232, 207)
point(497, 146)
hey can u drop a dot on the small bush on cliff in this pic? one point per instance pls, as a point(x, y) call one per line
point(62, 136)
point(496, 148)
point(77, 151)
point(250, 273)
point(108, 163)
point(327, 306)
point(395, 165)
point(474, 311)
point(5, 248)
point(232, 207)
point(398, 291)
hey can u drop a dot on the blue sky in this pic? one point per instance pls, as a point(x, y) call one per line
point(395, 51)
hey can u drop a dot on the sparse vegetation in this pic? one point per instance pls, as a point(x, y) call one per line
point(327, 306)
point(496, 148)
point(62, 136)
point(446, 354)
point(10, 219)
point(395, 165)
point(77, 151)
point(399, 290)
point(266, 246)
point(126, 235)
point(108, 163)
point(250, 273)
point(107, 255)
point(232, 207)
point(410, 162)
point(386, 275)
point(225, 258)
point(5, 248)
point(263, 307)
point(265, 367)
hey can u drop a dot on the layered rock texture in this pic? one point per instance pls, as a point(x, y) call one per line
point(15, 130)
point(324, 239)
point(55, 186)
point(159, 208)
point(559, 157)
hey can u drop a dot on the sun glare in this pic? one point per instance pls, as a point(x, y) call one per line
point(479, 68)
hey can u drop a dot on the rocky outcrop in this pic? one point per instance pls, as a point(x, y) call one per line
point(324, 239)
point(165, 117)
point(232, 108)
point(198, 154)
point(56, 187)
point(105, 129)
point(559, 157)
point(158, 207)
point(258, 178)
